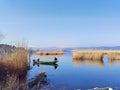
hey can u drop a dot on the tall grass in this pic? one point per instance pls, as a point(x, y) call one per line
point(16, 60)
point(13, 67)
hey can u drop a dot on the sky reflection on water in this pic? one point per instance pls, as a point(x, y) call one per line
point(75, 74)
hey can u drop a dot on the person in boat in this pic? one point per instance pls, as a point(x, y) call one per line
point(55, 59)
point(38, 59)
point(33, 60)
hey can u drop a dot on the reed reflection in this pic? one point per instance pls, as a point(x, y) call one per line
point(78, 62)
point(96, 62)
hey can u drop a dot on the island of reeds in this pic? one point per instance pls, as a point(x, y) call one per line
point(96, 54)
point(49, 52)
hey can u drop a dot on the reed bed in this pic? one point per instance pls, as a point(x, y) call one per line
point(13, 67)
point(95, 54)
point(49, 52)
point(11, 80)
point(16, 60)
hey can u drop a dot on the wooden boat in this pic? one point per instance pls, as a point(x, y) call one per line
point(50, 63)
point(46, 62)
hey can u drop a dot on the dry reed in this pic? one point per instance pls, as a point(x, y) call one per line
point(49, 52)
point(11, 80)
point(16, 60)
point(96, 54)
point(14, 66)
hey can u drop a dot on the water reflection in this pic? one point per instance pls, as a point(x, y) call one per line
point(77, 62)
point(54, 65)
point(100, 62)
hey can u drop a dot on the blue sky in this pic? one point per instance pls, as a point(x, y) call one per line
point(61, 23)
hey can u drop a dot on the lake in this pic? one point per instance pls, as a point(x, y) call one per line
point(78, 74)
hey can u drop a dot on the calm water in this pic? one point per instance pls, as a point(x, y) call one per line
point(76, 74)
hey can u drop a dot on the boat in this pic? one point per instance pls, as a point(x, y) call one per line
point(46, 62)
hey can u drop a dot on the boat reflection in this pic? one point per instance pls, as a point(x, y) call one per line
point(54, 65)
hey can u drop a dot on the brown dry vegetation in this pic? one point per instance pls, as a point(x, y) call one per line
point(18, 60)
point(95, 54)
point(13, 69)
point(49, 52)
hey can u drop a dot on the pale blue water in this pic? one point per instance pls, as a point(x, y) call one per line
point(84, 75)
